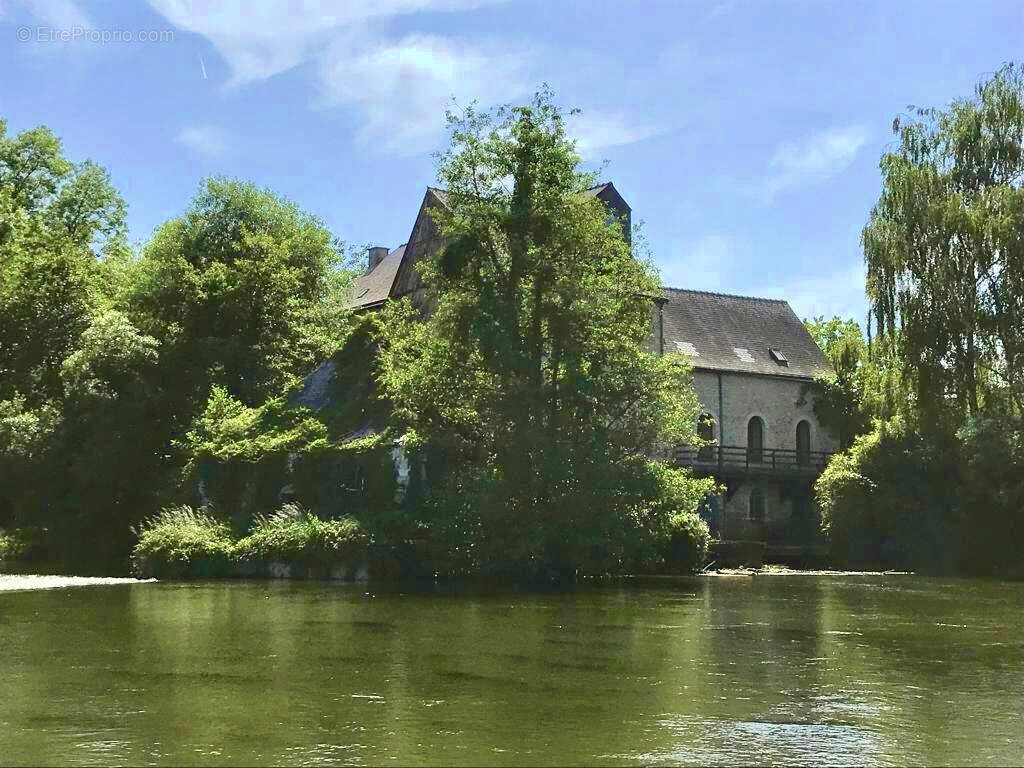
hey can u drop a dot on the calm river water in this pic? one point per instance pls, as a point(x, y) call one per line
point(782, 669)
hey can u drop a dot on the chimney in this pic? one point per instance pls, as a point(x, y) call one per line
point(376, 255)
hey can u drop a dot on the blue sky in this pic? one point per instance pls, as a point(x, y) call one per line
point(746, 135)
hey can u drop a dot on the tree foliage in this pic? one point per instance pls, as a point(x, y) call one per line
point(945, 254)
point(106, 358)
point(934, 484)
point(243, 291)
point(532, 373)
point(56, 218)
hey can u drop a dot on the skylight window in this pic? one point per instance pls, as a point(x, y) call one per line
point(777, 356)
point(687, 349)
point(744, 354)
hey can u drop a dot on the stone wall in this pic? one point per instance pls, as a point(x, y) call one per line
point(775, 400)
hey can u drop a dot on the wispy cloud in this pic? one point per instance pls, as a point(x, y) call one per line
point(813, 160)
point(399, 87)
point(204, 139)
point(706, 263)
point(727, 264)
point(599, 130)
point(402, 88)
point(260, 40)
point(840, 292)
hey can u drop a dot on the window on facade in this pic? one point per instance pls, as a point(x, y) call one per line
point(706, 431)
point(803, 443)
point(755, 440)
point(757, 505)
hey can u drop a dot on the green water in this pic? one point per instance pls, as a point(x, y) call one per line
point(800, 669)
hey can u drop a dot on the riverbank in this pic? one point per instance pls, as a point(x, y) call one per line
point(23, 583)
point(784, 570)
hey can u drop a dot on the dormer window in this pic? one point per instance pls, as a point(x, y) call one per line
point(777, 356)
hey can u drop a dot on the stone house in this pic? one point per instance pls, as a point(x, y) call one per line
point(752, 359)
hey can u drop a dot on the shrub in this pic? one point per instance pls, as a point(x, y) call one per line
point(293, 534)
point(892, 500)
point(182, 542)
point(689, 540)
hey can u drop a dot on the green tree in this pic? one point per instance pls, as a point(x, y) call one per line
point(244, 291)
point(945, 254)
point(935, 483)
point(532, 375)
point(840, 400)
point(58, 220)
point(109, 468)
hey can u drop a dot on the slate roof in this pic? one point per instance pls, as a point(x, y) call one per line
point(734, 333)
point(718, 331)
point(315, 391)
point(375, 286)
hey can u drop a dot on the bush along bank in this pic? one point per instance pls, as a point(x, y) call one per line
point(186, 543)
point(183, 543)
point(688, 543)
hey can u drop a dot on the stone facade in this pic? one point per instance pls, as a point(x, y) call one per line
point(777, 401)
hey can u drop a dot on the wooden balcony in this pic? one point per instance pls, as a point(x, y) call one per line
point(722, 460)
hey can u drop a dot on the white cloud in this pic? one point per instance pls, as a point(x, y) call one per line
point(726, 264)
point(402, 89)
point(398, 87)
point(204, 139)
point(260, 40)
point(598, 130)
point(816, 159)
point(58, 14)
point(839, 293)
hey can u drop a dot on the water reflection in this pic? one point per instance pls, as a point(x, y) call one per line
point(875, 670)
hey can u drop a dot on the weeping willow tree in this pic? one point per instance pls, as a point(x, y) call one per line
point(945, 255)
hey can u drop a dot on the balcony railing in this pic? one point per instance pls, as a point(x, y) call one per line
point(734, 459)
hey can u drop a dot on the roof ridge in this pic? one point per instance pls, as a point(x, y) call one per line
point(722, 295)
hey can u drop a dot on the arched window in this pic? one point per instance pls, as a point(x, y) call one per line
point(803, 443)
point(757, 504)
point(755, 440)
point(706, 432)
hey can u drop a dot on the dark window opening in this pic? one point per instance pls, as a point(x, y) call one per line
point(777, 356)
point(803, 443)
point(755, 440)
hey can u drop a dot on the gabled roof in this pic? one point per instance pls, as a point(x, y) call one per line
point(721, 332)
point(374, 287)
point(607, 192)
point(377, 286)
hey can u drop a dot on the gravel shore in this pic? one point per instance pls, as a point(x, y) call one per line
point(18, 583)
